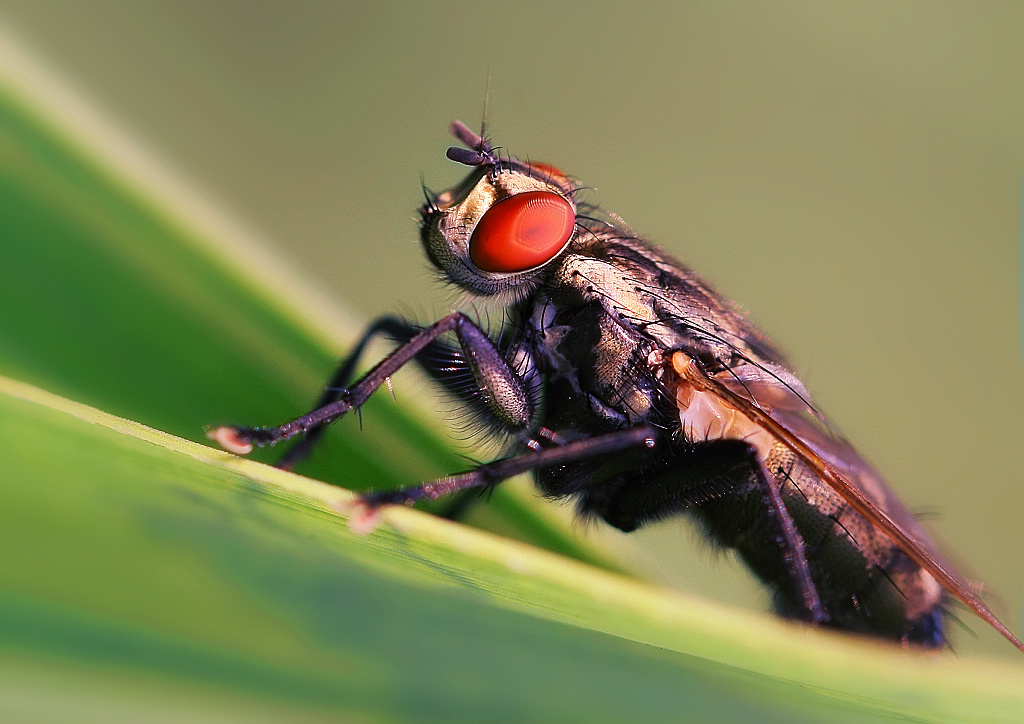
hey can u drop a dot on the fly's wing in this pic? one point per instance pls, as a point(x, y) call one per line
point(774, 399)
point(781, 395)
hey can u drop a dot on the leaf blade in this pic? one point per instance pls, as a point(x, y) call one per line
point(254, 562)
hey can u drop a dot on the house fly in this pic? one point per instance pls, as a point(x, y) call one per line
point(626, 383)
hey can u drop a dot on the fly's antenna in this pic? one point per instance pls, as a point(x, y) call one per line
point(477, 151)
point(487, 106)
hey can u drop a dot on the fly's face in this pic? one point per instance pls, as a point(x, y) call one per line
point(497, 230)
point(631, 387)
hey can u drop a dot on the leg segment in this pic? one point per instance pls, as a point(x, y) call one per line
point(792, 543)
point(440, 360)
point(500, 388)
point(723, 480)
point(339, 381)
point(629, 498)
point(492, 473)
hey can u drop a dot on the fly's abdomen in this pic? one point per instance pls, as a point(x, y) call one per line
point(865, 583)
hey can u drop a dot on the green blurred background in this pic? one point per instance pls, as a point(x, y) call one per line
point(851, 175)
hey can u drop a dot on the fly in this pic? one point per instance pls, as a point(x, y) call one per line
point(625, 383)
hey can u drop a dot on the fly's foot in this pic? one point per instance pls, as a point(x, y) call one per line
point(237, 440)
point(363, 517)
point(240, 440)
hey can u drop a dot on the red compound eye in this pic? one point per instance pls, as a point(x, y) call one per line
point(522, 232)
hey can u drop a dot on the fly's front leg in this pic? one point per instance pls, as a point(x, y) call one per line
point(501, 390)
point(339, 381)
point(438, 359)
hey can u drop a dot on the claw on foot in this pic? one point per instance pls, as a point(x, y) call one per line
point(363, 519)
point(229, 439)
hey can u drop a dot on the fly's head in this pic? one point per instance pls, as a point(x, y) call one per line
point(497, 231)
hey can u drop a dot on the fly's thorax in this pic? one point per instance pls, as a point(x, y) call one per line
point(601, 360)
point(617, 287)
point(654, 295)
point(497, 231)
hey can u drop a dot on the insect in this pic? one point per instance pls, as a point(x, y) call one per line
point(627, 384)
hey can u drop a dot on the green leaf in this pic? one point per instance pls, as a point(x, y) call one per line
point(149, 557)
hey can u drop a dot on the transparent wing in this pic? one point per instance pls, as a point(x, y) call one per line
point(775, 400)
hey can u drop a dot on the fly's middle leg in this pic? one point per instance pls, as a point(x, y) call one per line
point(499, 470)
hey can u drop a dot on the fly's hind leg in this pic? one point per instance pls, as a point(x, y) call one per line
point(721, 474)
point(794, 552)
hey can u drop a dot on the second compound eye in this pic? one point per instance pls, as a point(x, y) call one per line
point(522, 232)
